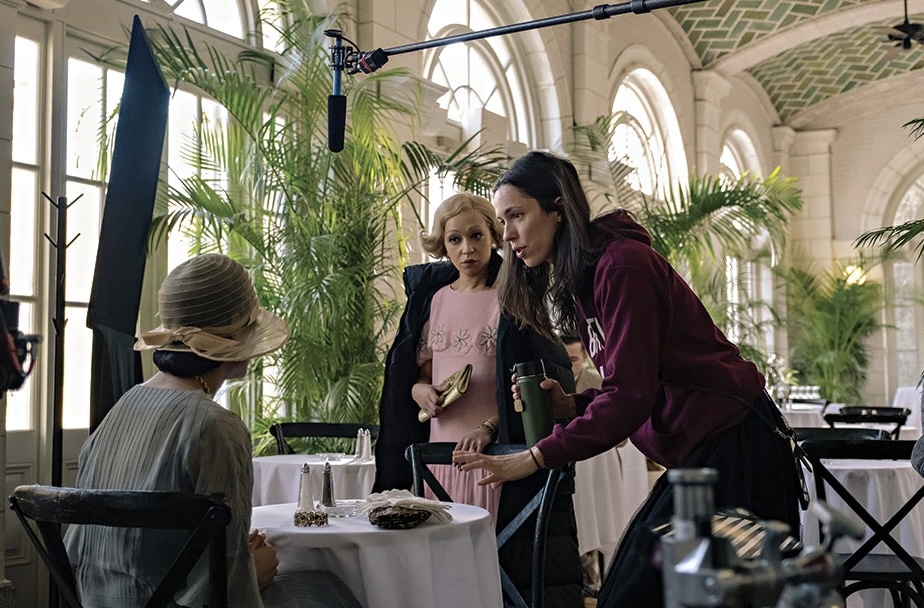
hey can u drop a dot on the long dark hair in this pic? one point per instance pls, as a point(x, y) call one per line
point(525, 292)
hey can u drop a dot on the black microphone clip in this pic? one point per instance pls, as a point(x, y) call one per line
point(368, 61)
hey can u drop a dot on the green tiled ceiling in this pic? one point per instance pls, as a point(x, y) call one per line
point(718, 27)
point(799, 77)
point(812, 72)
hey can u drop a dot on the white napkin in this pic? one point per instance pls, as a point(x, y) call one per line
point(403, 498)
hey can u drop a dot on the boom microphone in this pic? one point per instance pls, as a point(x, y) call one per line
point(336, 122)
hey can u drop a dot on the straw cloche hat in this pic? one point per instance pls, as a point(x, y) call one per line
point(208, 306)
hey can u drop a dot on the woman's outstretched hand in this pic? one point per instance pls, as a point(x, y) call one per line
point(508, 467)
point(562, 403)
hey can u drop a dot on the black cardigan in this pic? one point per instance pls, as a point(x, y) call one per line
point(398, 424)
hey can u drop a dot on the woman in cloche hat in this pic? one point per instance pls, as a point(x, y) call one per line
point(168, 434)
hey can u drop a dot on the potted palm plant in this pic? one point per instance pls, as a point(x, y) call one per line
point(694, 225)
point(321, 232)
point(833, 314)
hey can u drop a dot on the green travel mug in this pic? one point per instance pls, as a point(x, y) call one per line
point(535, 404)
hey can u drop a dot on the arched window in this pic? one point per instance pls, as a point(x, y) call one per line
point(905, 287)
point(478, 74)
point(228, 16)
point(748, 278)
point(646, 135)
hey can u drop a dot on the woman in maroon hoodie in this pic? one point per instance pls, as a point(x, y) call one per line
point(672, 382)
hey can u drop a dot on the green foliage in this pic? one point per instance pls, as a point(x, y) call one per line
point(831, 318)
point(694, 225)
point(321, 232)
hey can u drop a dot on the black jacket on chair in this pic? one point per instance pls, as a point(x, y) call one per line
point(399, 428)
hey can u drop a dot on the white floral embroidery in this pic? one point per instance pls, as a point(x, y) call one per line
point(461, 341)
point(487, 341)
point(437, 337)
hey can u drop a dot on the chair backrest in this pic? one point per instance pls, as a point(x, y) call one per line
point(894, 416)
point(281, 430)
point(812, 433)
point(422, 454)
point(821, 452)
point(205, 517)
point(810, 401)
point(909, 397)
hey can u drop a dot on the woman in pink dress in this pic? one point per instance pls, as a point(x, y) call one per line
point(452, 318)
point(462, 329)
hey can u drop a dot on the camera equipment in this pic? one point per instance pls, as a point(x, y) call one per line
point(701, 568)
point(18, 351)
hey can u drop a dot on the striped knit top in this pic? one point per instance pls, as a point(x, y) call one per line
point(173, 441)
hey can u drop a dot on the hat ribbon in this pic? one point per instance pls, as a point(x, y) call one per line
point(195, 338)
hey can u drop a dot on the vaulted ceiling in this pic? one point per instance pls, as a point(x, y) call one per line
point(822, 62)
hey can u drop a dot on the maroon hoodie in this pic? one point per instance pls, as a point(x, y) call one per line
point(670, 377)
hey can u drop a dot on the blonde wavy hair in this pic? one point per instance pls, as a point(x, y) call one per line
point(433, 242)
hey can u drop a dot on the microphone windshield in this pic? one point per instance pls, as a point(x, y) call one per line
point(336, 121)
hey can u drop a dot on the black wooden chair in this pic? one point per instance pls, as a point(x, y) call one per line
point(205, 517)
point(422, 454)
point(813, 433)
point(282, 430)
point(900, 573)
point(870, 415)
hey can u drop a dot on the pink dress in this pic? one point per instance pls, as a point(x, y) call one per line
point(463, 329)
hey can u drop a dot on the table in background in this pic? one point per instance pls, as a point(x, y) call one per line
point(609, 488)
point(447, 565)
point(882, 487)
point(800, 415)
point(275, 478)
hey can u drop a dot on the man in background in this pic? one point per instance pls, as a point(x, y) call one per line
point(585, 376)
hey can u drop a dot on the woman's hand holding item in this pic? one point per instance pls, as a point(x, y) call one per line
point(508, 467)
point(562, 403)
point(264, 558)
point(428, 398)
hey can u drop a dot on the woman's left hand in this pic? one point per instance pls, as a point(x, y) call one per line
point(508, 467)
point(476, 441)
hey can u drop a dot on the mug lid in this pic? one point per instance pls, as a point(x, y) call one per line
point(530, 368)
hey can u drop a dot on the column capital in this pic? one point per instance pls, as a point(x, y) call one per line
point(710, 86)
point(782, 138)
point(814, 142)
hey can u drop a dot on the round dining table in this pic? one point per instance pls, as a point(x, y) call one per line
point(452, 565)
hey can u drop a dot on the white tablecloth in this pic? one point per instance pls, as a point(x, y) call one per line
point(609, 488)
point(804, 415)
point(598, 503)
point(275, 478)
point(882, 487)
point(446, 565)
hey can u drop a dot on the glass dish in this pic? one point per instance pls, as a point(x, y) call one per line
point(343, 508)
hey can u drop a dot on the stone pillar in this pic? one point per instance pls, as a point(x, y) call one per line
point(710, 89)
point(8, 13)
point(810, 161)
point(782, 148)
